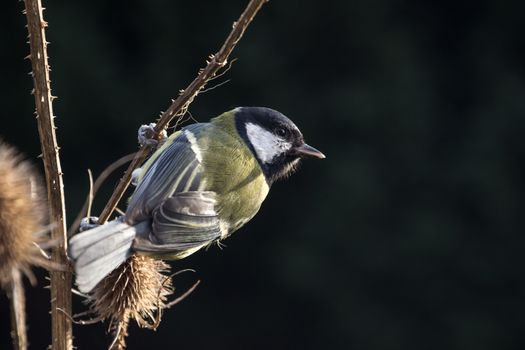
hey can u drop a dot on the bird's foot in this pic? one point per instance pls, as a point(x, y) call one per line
point(146, 136)
point(88, 223)
point(135, 175)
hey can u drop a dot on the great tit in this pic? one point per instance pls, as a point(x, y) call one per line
point(204, 183)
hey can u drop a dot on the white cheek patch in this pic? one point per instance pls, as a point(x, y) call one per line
point(266, 145)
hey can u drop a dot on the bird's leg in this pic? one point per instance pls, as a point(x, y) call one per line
point(146, 136)
point(88, 223)
point(91, 222)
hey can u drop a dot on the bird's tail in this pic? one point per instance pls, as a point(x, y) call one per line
point(99, 251)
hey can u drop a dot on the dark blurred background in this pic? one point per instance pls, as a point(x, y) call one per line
point(408, 236)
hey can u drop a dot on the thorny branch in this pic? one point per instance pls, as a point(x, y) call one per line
point(60, 280)
point(185, 98)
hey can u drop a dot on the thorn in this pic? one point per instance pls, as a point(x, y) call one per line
point(24, 12)
point(43, 24)
point(32, 91)
point(40, 155)
point(28, 57)
point(30, 74)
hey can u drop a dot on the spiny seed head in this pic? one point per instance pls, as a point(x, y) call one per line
point(138, 289)
point(22, 213)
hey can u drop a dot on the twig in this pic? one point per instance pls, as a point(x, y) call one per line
point(60, 280)
point(90, 193)
point(180, 105)
point(183, 296)
point(17, 302)
point(95, 187)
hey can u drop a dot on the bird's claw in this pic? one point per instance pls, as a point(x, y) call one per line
point(88, 223)
point(135, 175)
point(146, 136)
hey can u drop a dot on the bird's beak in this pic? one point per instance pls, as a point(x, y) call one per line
point(308, 151)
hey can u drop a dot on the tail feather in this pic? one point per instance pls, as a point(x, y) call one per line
point(97, 252)
point(81, 241)
point(88, 276)
point(105, 247)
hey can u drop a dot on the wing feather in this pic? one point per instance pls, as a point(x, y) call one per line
point(184, 223)
point(175, 169)
point(170, 196)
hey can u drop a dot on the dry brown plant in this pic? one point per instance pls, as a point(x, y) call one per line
point(22, 231)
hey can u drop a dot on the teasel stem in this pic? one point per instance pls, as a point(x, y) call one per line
point(61, 328)
point(17, 302)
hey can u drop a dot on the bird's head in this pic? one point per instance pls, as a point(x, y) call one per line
point(275, 141)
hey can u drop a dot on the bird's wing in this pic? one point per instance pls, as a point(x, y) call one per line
point(176, 167)
point(181, 225)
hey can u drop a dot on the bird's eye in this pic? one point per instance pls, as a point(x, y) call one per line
point(281, 132)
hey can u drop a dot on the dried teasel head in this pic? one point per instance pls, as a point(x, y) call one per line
point(138, 289)
point(22, 213)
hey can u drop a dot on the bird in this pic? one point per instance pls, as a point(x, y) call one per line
point(205, 182)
